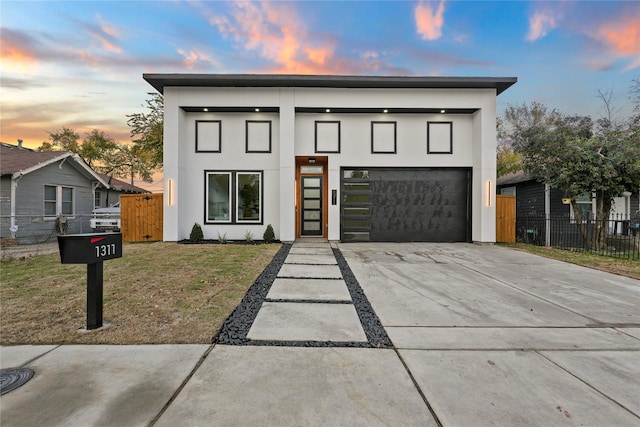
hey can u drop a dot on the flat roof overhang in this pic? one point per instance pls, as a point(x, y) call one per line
point(160, 81)
point(323, 110)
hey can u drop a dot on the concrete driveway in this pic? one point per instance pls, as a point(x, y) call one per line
point(481, 336)
point(494, 336)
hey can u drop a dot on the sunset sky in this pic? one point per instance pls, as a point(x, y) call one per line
point(79, 64)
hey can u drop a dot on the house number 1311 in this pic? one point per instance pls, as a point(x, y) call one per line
point(105, 250)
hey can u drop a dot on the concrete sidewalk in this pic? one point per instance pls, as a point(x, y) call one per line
point(482, 336)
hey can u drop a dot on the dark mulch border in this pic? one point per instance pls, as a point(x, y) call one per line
point(235, 328)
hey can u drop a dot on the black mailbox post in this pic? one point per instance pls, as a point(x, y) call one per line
point(91, 249)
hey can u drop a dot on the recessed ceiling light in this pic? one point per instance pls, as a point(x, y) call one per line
point(327, 110)
point(385, 111)
point(257, 110)
point(442, 111)
point(205, 109)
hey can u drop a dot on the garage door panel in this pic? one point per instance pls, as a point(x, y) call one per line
point(428, 204)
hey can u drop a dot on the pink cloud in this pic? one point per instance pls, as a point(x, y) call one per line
point(622, 36)
point(541, 22)
point(193, 57)
point(278, 34)
point(429, 22)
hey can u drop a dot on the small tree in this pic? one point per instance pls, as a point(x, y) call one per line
point(196, 233)
point(269, 236)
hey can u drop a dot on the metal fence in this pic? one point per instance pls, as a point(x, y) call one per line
point(24, 235)
point(620, 237)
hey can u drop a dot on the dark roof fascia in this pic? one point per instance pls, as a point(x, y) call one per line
point(160, 81)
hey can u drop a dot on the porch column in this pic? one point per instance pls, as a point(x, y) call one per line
point(287, 232)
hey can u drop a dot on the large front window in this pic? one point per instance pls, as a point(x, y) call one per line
point(249, 196)
point(218, 197)
point(58, 200)
point(233, 197)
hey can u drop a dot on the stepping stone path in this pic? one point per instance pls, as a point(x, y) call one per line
point(307, 302)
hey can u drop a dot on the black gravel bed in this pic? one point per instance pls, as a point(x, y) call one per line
point(235, 328)
point(308, 301)
point(371, 324)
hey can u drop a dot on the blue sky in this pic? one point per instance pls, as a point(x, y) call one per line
point(79, 64)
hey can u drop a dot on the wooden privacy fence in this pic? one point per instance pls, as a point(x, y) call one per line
point(141, 217)
point(505, 219)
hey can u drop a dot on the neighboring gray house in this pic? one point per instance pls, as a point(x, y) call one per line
point(536, 201)
point(43, 193)
point(107, 196)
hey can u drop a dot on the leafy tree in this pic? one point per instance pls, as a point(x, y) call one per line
point(147, 129)
point(96, 147)
point(102, 153)
point(576, 155)
point(128, 161)
point(65, 139)
point(507, 159)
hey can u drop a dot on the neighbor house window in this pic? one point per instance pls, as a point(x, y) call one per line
point(58, 200)
point(233, 197)
point(585, 206)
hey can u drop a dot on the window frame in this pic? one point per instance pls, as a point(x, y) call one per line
point(234, 197)
point(58, 202)
point(207, 214)
point(260, 197)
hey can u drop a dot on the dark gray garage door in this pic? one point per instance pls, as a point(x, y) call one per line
point(406, 204)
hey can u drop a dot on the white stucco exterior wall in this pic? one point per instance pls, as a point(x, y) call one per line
point(474, 143)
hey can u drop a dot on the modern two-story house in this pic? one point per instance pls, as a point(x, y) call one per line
point(349, 158)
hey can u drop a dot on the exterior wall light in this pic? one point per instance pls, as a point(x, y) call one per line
point(170, 192)
point(489, 193)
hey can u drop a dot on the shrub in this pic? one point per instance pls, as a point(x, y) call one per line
point(196, 233)
point(269, 236)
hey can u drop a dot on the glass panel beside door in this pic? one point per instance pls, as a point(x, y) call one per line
point(311, 200)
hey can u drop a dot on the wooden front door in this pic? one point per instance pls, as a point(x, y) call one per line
point(311, 196)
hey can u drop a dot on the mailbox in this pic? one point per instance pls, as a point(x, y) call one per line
point(91, 249)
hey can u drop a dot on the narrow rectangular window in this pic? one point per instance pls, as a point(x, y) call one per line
point(249, 196)
point(50, 200)
point(67, 201)
point(218, 191)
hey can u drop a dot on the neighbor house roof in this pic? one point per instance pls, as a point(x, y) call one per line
point(16, 161)
point(513, 178)
point(119, 185)
point(160, 81)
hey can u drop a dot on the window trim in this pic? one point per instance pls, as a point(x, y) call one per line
point(234, 197)
point(58, 201)
point(395, 137)
point(207, 219)
point(219, 149)
point(327, 122)
point(433, 151)
point(248, 124)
